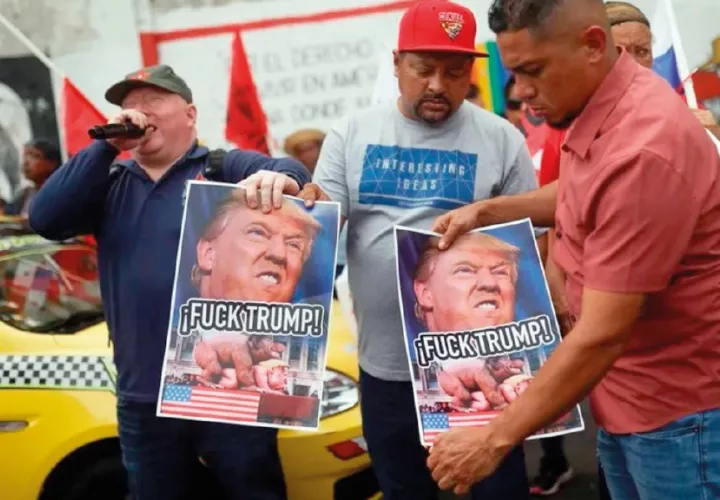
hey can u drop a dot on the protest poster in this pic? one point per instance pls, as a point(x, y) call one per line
point(478, 324)
point(247, 340)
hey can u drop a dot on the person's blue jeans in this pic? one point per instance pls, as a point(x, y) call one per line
point(161, 457)
point(398, 458)
point(680, 460)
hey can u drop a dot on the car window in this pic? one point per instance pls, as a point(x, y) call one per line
point(53, 291)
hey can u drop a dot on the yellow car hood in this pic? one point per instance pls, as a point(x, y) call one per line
point(342, 351)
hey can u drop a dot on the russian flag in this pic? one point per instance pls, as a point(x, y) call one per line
point(669, 58)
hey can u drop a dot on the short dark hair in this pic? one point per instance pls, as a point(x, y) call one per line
point(49, 149)
point(515, 15)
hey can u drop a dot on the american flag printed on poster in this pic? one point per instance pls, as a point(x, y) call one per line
point(209, 403)
point(434, 424)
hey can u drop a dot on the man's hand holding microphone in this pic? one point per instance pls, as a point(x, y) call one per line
point(126, 130)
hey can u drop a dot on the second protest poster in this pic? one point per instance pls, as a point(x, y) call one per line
point(478, 324)
point(248, 335)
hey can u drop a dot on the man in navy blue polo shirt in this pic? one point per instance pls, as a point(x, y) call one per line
point(135, 215)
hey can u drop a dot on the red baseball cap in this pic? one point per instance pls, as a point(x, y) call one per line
point(438, 26)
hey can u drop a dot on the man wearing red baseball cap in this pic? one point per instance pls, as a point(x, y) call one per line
point(407, 162)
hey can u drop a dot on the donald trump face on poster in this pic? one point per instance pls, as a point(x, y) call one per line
point(247, 255)
point(471, 286)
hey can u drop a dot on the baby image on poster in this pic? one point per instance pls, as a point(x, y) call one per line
point(478, 324)
point(247, 339)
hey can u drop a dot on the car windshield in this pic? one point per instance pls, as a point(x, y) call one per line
point(54, 289)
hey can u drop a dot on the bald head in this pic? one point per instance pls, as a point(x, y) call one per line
point(560, 51)
point(631, 29)
point(625, 12)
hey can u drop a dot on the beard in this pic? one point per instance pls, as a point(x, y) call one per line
point(565, 122)
point(432, 118)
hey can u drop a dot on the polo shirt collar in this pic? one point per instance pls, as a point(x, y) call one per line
point(196, 152)
point(585, 128)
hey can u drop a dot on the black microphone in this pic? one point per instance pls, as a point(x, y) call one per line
point(127, 130)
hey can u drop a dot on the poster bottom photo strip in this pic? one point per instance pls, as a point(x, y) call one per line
point(478, 325)
point(248, 336)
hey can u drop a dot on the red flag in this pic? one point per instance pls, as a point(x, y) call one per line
point(78, 116)
point(706, 85)
point(550, 166)
point(246, 123)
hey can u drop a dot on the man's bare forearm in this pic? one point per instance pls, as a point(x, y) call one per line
point(567, 377)
point(538, 205)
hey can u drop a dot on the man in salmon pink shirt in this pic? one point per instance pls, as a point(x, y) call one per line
point(638, 240)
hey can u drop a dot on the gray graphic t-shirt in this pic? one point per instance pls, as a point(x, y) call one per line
point(388, 170)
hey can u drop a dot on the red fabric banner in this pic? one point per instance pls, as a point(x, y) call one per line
point(246, 123)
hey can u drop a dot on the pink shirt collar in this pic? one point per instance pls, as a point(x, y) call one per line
point(585, 128)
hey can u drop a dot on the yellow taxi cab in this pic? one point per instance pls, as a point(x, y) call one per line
point(58, 429)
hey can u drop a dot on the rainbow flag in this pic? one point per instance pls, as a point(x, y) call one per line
point(490, 77)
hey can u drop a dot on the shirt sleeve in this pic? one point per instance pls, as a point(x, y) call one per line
point(71, 202)
point(640, 215)
point(330, 172)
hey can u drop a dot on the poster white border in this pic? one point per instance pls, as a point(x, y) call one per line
point(518, 222)
point(189, 185)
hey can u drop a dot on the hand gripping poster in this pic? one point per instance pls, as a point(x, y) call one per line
point(478, 324)
point(248, 332)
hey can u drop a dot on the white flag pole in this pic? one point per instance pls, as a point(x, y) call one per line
point(31, 46)
point(682, 64)
point(35, 50)
point(680, 58)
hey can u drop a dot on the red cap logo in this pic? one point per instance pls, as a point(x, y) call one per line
point(438, 26)
point(452, 23)
point(140, 75)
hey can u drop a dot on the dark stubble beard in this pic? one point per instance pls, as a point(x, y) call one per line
point(565, 123)
point(432, 120)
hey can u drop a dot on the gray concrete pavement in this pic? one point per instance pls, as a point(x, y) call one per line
point(580, 450)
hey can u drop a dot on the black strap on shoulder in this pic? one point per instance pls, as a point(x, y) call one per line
point(213, 170)
point(115, 171)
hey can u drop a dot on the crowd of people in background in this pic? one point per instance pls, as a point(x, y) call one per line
point(40, 159)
